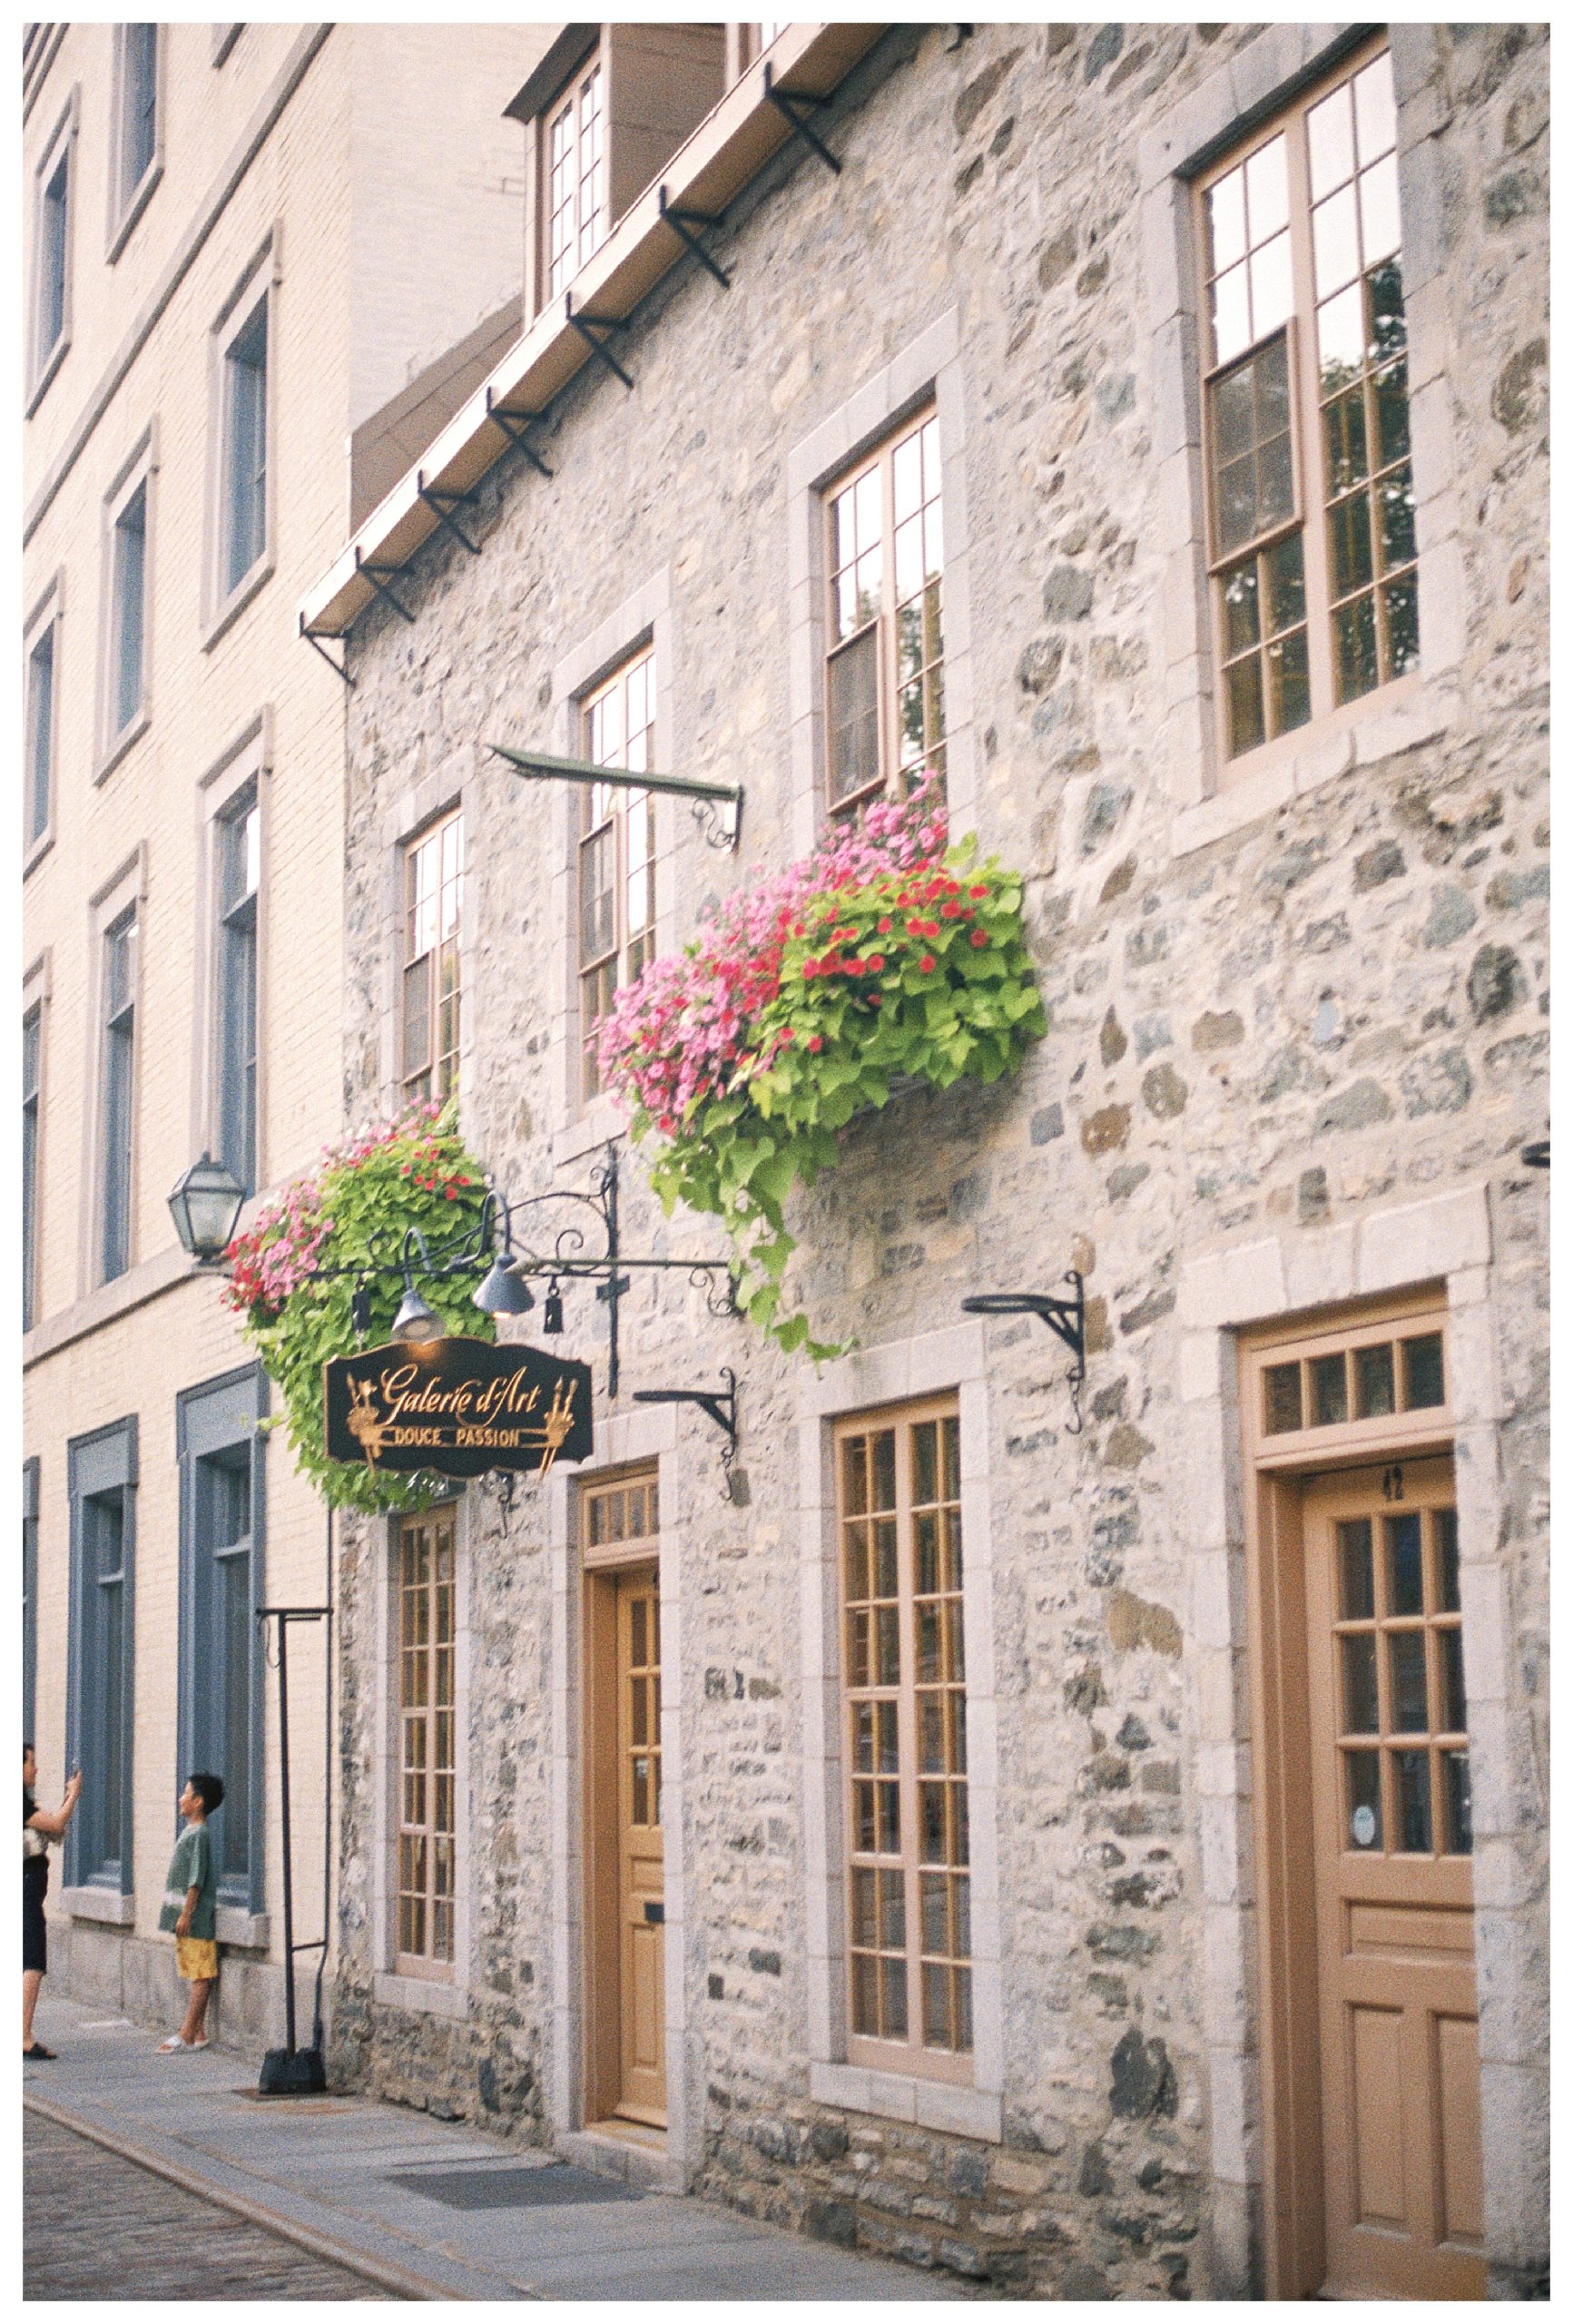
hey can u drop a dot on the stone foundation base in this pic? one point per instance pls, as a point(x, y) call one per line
point(135, 1976)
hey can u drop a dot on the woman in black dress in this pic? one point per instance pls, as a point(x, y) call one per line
point(38, 1828)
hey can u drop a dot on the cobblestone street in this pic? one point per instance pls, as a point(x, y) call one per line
point(95, 2227)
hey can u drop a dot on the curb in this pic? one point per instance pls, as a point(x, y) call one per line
point(402, 2283)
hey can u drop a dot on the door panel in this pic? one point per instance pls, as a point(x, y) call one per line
point(1394, 1893)
point(641, 1949)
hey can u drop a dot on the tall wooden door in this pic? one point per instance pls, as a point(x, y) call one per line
point(1394, 1894)
point(641, 1893)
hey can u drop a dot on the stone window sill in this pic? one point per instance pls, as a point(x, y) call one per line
point(425, 1997)
point(38, 848)
point(234, 1924)
point(239, 598)
point(117, 749)
point(907, 2098)
point(106, 1904)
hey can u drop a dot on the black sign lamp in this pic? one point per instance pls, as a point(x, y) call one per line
point(205, 1205)
point(414, 1320)
point(502, 1291)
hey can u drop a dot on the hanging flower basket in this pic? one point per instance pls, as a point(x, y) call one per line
point(353, 1212)
point(888, 957)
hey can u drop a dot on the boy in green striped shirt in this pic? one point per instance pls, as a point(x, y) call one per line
point(190, 1907)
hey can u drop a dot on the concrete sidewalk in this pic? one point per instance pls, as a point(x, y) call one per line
point(428, 2210)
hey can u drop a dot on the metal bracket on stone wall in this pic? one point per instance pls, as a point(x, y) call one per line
point(793, 110)
point(515, 426)
point(717, 806)
point(718, 1405)
point(312, 639)
point(1067, 1318)
point(590, 329)
point(681, 222)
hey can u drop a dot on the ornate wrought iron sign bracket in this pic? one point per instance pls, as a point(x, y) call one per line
point(1065, 1318)
point(718, 1405)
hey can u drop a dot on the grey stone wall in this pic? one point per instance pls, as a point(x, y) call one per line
point(1334, 1008)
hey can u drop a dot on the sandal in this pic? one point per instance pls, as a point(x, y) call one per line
point(38, 2051)
point(173, 2042)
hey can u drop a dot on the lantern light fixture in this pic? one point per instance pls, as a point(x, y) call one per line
point(502, 1291)
point(552, 1313)
point(414, 1320)
point(205, 1205)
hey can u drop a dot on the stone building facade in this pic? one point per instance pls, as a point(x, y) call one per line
point(1296, 998)
point(220, 286)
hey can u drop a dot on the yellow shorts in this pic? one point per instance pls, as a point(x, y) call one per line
point(196, 1957)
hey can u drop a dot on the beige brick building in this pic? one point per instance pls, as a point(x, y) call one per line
point(241, 240)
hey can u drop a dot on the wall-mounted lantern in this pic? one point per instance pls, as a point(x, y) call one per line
point(205, 1205)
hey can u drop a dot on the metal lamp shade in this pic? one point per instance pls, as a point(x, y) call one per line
point(501, 1292)
point(205, 1205)
point(414, 1320)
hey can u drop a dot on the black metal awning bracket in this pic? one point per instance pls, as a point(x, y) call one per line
point(793, 110)
point(717, 1405)
point(442, 506)
point(682, 223)
point(717, 806)
point(590, 329)
point(515, 426)
point(379, 575)
point(312, 640)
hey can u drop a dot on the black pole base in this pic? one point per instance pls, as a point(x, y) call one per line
point(291, 2073)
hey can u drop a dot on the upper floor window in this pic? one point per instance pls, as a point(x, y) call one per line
point(40, 733)
point(616, 851)
point(1311, 499)
point(53, 197)
point(32, 1062)
point(238, 865)
point(136, 124)
point(885, 671)
point(243, 454)
point(434, 879)
point(116, 1111)
point(575, 203)
point(128, 613)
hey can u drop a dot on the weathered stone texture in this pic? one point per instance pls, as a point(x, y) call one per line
point(1328, 992)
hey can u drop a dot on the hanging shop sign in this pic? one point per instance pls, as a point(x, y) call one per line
point(456, 1407)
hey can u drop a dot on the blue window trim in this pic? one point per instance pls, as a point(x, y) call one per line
point(102, 1461)
point(216, 1417)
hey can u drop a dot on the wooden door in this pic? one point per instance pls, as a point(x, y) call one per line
point(1401, 2087)
point(641, 1906)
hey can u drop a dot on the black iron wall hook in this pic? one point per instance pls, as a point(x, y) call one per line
point(1066, 1317)
point(718, 1405)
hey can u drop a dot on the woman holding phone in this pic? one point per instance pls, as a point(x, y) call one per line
point(38, 1828)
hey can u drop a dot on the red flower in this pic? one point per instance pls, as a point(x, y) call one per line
point(981, 889)
point(810, 969)
point(979, 939)
point(927, 963)
point(787, 1035)
point(949, 910)
point(917, 927)
point(874, 1000)
point(884, 928)
point(876, 963)
point(854, 968)
point(816, 1043)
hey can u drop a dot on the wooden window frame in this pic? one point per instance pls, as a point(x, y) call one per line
point(436, 1075)
point(1310, 519)
point(910, 2056)
point(605, 816)
point(433, 1965)
point(567, 107)
point(891, 769)
point(1276, 1468)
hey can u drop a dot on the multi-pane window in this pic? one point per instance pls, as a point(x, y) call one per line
point(106, 1647)
point(243, 482)
point(576, 191)
point(52, 260)
point(1403, 1740)
point(235, 988)
point(226, 1633)
point(626, 1511)
point(138, 107)
point(616, 851)
point(425, 1933)
point(40, 738)
point(1311, 499)
point(119, 1061)
point(1372, 1378)
point(904, 1690)
point(885, 678)
point(433, 880)
point(128, 613)
point(29, 1598)
point(32, 1047)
